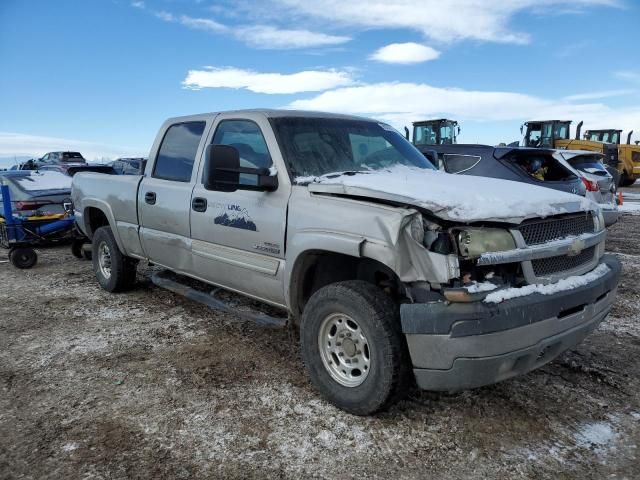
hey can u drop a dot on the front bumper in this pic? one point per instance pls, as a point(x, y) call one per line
point(458, 346)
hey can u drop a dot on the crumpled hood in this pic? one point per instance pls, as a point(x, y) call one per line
point(453, 197)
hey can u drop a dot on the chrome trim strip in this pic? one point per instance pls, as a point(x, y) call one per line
point(551, 249)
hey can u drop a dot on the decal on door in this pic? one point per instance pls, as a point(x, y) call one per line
point(234, 216)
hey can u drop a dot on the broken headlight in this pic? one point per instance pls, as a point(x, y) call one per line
point(473, 242)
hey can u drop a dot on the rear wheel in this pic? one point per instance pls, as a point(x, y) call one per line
point(114, 271)
point(23, 257)
point(353, 348)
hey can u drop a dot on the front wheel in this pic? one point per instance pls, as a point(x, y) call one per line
point(114, 271)
point(353, 348)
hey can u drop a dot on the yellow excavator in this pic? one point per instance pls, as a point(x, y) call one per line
point(625, 158)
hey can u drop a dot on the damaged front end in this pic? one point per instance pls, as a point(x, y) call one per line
point(510, 299)
point(481, 258)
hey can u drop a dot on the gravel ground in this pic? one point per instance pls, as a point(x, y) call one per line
point(149, 385)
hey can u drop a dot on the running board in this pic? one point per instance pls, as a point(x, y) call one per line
point(159, 279)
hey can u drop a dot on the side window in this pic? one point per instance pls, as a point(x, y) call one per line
point(247, 138)
point(178, 151)
point(454, 163)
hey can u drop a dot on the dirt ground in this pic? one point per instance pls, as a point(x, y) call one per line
point(149, 385)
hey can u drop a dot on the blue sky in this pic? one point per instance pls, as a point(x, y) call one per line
point(101, 76)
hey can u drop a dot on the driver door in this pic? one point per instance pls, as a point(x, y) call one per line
point(238, 237)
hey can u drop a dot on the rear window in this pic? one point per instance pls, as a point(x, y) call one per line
point(72, 157)
point(178, 151)
point(586, 162)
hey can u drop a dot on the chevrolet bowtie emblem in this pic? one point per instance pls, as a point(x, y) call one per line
point(576, 248)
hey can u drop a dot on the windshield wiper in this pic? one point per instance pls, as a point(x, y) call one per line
point(346, 172)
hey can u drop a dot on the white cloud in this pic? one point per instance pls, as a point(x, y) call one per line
point(402, 103)
point(273, 83)
point(138, 4)
point(25, 144)
point(599, 95)
point(205, 24)
point(629, 75)
point(263, 36)
point(258, 36)
point(442, 21)
point(405, 53)
point(166, 16)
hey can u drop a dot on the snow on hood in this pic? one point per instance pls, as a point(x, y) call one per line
point(453, 197)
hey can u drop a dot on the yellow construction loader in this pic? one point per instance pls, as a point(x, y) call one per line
point(625, 158)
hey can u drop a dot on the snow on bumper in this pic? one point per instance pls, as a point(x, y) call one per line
point(455, 346)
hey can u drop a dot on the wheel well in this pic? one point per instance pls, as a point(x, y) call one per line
point(316, 269)
point(95, 218)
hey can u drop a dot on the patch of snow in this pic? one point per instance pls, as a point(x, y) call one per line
point(70, 447)
point(630, 207)
point(597, 434)
point(457, 197)
point(481, 287)
point(568, 283)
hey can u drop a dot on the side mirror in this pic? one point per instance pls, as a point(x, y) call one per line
point(459, 129)
point(521, 129)
point(222, 172)
point(406, 133)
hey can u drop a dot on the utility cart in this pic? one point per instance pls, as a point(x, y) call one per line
point(20, 234)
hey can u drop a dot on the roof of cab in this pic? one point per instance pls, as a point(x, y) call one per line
point(276, 113)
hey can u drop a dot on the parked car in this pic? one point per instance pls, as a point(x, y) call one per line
point(391, 269)
point(599, 183)
point(37, 192)
point(527, 165)
point(129, 166)
point(61, 157)
point(70, 169)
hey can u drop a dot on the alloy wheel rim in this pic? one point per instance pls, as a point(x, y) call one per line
point(344, 350)
point(104, 260)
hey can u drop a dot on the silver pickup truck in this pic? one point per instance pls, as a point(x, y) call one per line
point(393, 272)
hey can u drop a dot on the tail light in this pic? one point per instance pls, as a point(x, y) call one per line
point(591, 186)
point(28, 205)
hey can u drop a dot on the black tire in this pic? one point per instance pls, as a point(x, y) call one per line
point(389, 374)
point(625, 181)
point(121, 269)
point(23, 257)
point(76, 248)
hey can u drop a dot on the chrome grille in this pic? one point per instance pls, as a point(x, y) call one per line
point(548, 266)
point(542, 231)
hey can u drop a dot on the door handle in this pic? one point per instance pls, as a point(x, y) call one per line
point(199, 204)
point(150, 198)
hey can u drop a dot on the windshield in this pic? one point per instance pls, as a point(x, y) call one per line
point(318, 146)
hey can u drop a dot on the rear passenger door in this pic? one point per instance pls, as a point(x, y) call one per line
point(164, 196)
